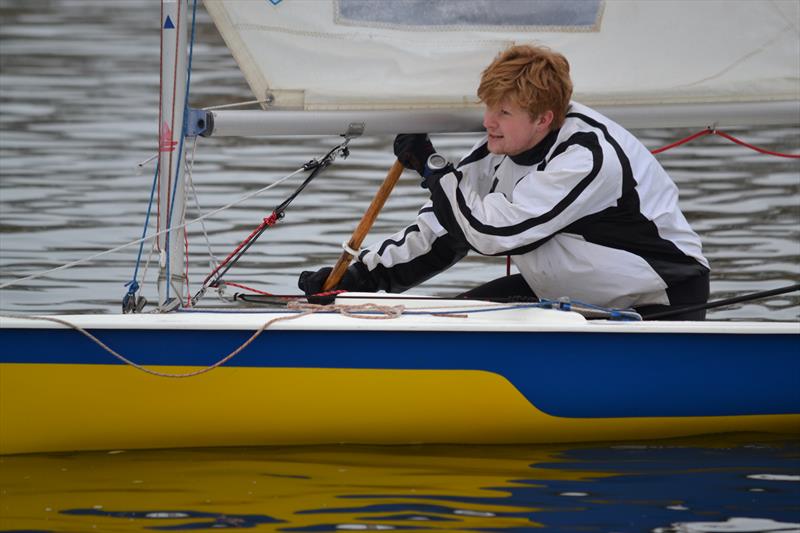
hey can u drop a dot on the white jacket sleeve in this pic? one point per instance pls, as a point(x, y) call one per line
point(412, 255)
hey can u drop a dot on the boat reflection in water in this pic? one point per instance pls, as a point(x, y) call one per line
point(736, 482)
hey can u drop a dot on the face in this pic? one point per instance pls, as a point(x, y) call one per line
point(512, 130)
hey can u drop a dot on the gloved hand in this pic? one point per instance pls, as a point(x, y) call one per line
point(413, 150)
point(356, 278)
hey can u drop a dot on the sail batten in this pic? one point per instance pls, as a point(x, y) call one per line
point(336, 55)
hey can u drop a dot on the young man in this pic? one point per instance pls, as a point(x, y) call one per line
point(581, 206)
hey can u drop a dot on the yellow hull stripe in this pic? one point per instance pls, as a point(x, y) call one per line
point(52, 407)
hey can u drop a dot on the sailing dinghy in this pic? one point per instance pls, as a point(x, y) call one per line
point(392, 369)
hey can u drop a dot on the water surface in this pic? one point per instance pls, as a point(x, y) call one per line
point(79, 96)
point(698, 485)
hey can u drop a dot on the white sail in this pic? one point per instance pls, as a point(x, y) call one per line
point(725, 57)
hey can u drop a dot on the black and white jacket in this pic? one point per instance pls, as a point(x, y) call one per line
point(587, 213)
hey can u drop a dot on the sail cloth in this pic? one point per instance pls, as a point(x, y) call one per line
point(323, 55)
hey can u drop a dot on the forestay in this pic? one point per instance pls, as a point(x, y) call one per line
point(662, 62)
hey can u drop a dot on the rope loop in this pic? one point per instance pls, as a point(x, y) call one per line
point(353, 253)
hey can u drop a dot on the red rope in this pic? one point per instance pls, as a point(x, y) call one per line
point(283, 296)
point(269, 221)
point(682, 141)
point(251, 289)
point(329, 293)
point(756, 148)
point(709, 131)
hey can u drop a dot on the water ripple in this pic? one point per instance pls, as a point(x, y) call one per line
point(79, 94)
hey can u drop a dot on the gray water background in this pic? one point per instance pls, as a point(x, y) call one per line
point(78, 99)
point(78, 112)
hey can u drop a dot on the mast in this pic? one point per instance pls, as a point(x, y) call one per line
point(171, 155)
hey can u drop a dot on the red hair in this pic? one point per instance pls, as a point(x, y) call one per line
point(533, 77)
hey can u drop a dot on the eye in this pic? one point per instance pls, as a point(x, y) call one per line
point(505, 112)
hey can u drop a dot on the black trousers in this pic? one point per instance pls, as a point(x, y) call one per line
point(693, 291)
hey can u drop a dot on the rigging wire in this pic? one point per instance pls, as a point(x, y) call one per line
point(316, 166)
point(236, 104)
point(302, 169)
point(263, 298)
point(129, 301)
point(189, 169)
point(153, 236)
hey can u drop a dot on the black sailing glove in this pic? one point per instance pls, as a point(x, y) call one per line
point(356, 278)
point(413, 150)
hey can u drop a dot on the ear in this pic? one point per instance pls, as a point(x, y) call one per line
point(545, 120)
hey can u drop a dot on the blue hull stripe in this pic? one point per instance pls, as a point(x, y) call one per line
point(597, 375)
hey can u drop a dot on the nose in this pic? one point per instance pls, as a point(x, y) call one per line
point(489, 120)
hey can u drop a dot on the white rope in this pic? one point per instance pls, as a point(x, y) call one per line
point(153, 236)
point(346, 248)
point(189, 167)
point(185, 244)
point(147, 263)
point(238, 104)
